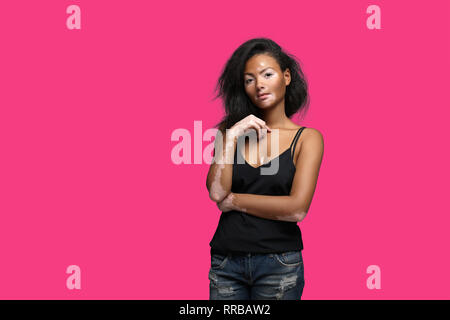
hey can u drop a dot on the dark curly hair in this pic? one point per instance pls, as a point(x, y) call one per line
point(230, 85)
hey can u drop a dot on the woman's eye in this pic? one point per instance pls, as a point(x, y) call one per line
point(246, 81)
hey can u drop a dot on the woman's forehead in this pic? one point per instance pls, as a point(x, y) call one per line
point(260, 63)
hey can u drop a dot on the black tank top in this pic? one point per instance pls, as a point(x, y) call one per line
point(240, 232)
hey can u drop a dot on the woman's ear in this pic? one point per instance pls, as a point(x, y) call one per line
point(287, 76)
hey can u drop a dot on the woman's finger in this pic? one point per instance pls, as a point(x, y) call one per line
point(258, 130)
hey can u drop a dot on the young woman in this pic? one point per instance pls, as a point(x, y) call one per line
point(256, 251)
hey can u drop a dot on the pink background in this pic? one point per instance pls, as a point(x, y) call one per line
point(86, 118)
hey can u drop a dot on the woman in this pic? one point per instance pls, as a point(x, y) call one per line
point(256, 251)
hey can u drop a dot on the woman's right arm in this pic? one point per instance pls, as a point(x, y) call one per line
point(220, 172)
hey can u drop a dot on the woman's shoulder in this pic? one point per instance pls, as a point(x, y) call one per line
point(311, 136)
point(295, 127)
point(312, 140)
point(307, 131)
point(312, 133)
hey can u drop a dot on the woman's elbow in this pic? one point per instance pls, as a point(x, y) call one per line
point(299, 216)
point(217, 192)
point(217, 196)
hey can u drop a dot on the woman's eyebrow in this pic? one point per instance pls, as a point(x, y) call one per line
point(251, 74)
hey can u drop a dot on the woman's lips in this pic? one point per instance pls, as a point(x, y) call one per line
point(264, 96)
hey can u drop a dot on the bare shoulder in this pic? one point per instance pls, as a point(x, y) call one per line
point(312, 134)
point(310, 141)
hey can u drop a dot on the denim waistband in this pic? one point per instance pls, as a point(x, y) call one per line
point(243, 253)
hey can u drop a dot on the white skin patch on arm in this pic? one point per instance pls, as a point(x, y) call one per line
point(222, 158)
point(216, 186)
point(295, 217)
point(227, 204)
point(233, 206)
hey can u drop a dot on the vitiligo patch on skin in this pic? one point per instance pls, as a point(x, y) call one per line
point(216, 186)
point(228, 157)
point(227, 204)
point(235, 207)
point(296, 217)
point(220, 160)
point(300, 216)
point(220, 157)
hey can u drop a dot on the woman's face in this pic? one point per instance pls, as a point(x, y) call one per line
point(262, 75)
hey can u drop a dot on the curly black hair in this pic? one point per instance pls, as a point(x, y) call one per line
point(230, 85)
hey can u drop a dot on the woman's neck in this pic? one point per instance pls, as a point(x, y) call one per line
point(276, 118)
point(279, 124)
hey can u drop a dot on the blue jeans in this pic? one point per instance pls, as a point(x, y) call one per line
point(254, 276)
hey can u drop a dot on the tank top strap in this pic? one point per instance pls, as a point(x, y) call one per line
point(294, 141)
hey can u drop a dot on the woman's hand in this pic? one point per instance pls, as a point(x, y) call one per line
point(227, 203)
point(248, 123)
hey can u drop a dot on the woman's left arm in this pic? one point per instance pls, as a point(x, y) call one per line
point(295, 206)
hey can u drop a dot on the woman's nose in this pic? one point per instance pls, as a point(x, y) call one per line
point(260, 85)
